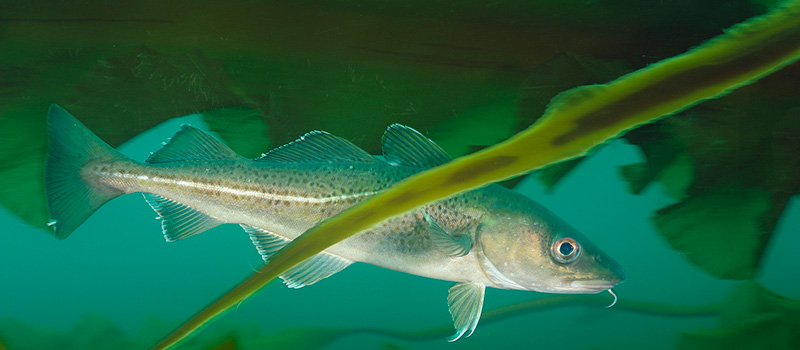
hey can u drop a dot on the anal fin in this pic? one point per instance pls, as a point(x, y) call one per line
point(178, 220)
point(465, 300)
point(308, 272)
point(313, 269)
point(266, 242)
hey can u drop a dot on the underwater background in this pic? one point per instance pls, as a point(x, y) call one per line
point(116, 277)
point(116, 284)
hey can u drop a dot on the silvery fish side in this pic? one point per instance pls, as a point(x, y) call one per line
point(487, 237)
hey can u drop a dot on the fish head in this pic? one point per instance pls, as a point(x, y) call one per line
point(527, 247)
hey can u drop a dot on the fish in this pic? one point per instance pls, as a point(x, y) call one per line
point(487, 237)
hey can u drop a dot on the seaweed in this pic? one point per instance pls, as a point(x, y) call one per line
point(729, 163)
point(260, 79)
point(575, 122)
point(350, 69)
point(752, 318)
point(736, 171)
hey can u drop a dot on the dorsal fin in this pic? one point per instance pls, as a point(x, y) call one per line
point(403, 145)
point(318, 146)
point(191, 143)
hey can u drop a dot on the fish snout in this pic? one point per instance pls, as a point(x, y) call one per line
point(613, 274)
point(619, 273)
point(608, 277)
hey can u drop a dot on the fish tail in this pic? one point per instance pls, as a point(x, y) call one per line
point(70, 198)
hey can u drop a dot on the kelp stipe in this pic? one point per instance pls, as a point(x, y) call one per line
point(594, 114)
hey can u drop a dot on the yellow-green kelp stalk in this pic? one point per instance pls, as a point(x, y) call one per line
point(575, 122)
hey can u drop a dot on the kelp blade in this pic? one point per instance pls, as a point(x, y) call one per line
point(575, 122)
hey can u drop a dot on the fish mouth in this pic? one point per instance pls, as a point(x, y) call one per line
point(589, 286)
point(597, 284)
point(578, 286)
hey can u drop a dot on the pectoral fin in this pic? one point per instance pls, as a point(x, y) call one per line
point(465, 301)
point(447, 243)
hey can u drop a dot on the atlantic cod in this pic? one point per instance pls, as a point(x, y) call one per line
point(491, 236)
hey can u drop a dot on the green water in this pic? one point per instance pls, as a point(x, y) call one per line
point(117, 266)
point(468, 75)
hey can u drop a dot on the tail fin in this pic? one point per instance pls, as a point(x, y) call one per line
point(70, 199)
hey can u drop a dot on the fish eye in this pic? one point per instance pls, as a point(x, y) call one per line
point(566, 250)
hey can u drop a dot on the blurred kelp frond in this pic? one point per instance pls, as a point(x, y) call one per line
point(752, 318)
point(294, 66)
point(468, 74)
point(730, 164)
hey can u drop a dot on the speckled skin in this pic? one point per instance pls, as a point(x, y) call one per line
point(287, 199)
point(491, 236)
